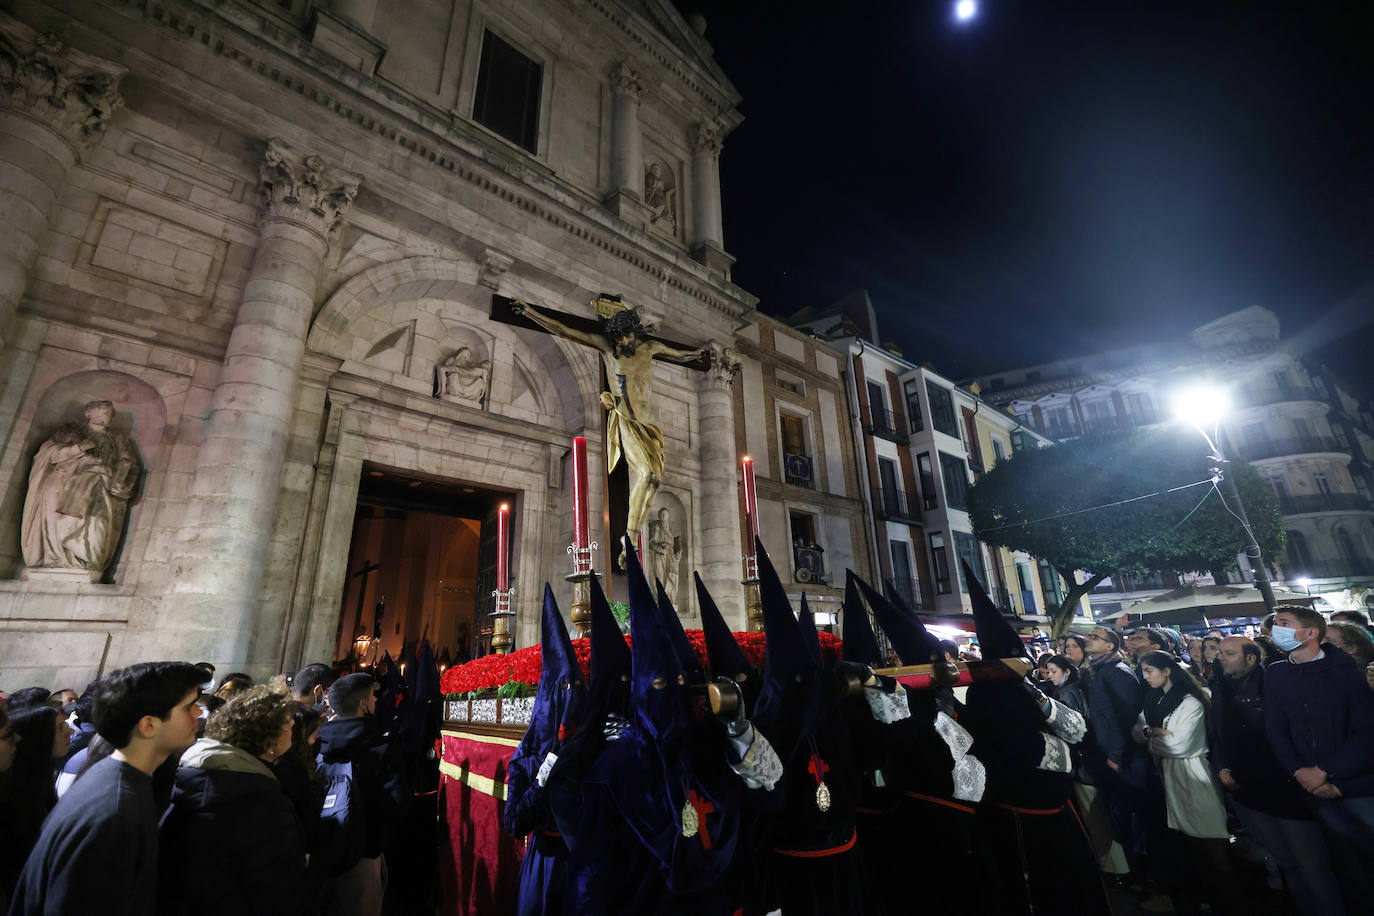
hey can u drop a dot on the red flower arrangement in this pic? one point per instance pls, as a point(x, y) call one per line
point(525, 665)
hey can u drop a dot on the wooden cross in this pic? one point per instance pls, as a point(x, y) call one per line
point(817, 767)
point(702, 807)
point(366, 570)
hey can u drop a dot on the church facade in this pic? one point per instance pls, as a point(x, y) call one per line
point(269, 234)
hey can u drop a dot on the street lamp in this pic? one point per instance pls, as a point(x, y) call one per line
point(1203, 406)
point(1306, 586)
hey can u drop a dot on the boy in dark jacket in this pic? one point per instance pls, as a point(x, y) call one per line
point(98, 850)
point(382, 796)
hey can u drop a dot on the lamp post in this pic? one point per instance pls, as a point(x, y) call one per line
point(1203, 406)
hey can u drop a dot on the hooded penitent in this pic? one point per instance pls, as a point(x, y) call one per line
point(722, 651)
point(672, 626)
point(860, 643)
point(814, 868)
point(662, 819)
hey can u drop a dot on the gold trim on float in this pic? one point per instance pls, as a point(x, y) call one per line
point(484, 784)
point(481, 739)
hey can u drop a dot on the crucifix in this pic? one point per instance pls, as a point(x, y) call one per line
point(627, 353)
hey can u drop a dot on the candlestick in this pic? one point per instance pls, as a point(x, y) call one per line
point(502, 547)
point(501, 640)
point(581, 530)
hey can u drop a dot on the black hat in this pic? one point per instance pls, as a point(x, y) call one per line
point(913, 643)
point(559, 699)
point(672, 626)
point(806, 623)
point(656, 677)
point(996, 638)
point(860, 645)
point(722, 650)
point(787, 661)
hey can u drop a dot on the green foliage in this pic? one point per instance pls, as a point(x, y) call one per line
point(621, 612)
point(1032, 502)
point(511, 690)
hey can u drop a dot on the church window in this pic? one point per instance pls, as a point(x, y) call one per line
point(508, 89)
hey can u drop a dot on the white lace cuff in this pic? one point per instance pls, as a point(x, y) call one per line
point(1056, 757)
point(970, 776)
point(888, 707)
point(760, 768)
point(1067, 723)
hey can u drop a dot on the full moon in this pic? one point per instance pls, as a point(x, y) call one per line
point(965, 10)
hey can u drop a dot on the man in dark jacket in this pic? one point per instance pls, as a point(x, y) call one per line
point(98, 850)
point(381, 794)
point(1274, 810)
point(1116, 763)
point(1319, 715)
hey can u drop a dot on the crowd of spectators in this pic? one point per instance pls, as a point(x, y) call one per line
point(1212, 757)
point(159, 790)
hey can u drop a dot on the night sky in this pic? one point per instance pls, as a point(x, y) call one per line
point(1056, 177)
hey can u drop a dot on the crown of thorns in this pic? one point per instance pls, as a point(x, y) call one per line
point(624, 323)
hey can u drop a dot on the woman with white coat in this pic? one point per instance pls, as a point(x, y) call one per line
point(1173, 724)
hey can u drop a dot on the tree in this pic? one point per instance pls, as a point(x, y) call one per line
point(1074, 505)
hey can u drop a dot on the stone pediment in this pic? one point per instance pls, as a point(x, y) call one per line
point(696, 52)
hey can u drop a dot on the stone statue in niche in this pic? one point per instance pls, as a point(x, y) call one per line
point(665, 553)
point(660, 196)
point(79, 489)
point(462, 378)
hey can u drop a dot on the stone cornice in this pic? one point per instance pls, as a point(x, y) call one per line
point(405, 122)
point(70, 91)
point(302, 189)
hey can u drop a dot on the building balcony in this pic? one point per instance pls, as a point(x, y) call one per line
point(898, 506)
point(1096, 425)
point(1329, 569)
point(1002, 598)
point(1279, 395)
point(798, 470)
point(908, 591)
point(1324, 502)
point(885, 426)
point(1299, 445)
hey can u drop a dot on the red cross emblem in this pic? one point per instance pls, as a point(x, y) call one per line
point(702, 807)
point(817, 767)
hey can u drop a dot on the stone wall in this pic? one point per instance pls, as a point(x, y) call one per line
point(172, 245)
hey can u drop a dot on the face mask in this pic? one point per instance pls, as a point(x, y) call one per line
point(1286, 638)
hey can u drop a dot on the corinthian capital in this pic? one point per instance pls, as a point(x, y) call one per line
point(72, 92)
point(724, 366)
point(705, 138)
point(625, 81)
point(303, 190)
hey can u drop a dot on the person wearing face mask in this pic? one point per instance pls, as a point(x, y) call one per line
point(1273, 809)
point(1319, 716)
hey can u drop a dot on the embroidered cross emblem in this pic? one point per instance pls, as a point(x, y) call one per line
point(817, 767)
point(702, 807)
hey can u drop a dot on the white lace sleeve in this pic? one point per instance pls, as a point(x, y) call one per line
point(1066, 722)
point(760, 767)
point(888, 707)
point(1056, 757)
point(970, 776)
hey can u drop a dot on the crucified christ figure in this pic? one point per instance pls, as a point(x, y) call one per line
point(628, 353)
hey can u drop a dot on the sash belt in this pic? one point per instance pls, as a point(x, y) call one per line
point(819, 853)
point(940, 801)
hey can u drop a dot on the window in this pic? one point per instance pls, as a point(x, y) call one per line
point(1050, 585)
point(891, 496)
point(955, 473)
point(927, 474)
point(939, 561)
point(913, 405)
point(793, 434)
point(997, 453)
point(1346, 547)
point(1141, 408)
point(1280, 487)
point(1323, 485)
point(1302, 428)
point(508, 89)
point(901, 574)
point(788, 383)
point(803, 529)
point(1299, 555)
point(942, 409)
point(966, 548)
point(877, 409)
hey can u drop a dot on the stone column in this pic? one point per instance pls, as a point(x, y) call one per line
point(708, 238)
point(718, 499)
point(218, 559)
point(626, 197)
point(54, 105)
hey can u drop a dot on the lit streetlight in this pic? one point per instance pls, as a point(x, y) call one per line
point(965, 10)
point(1203, 406)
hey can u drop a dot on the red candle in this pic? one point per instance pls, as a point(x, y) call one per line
point(502, 547)
point(581, 531)
point(751, 504)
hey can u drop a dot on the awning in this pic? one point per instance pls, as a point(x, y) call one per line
point(1194, 602)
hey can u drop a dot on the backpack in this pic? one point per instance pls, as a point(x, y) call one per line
point(342, 835)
